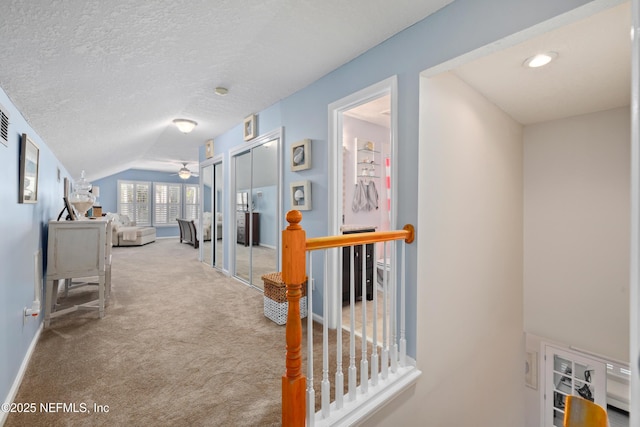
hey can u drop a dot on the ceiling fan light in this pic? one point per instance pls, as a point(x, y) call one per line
point(540, 59)
point(184, 173)
point(185, 125)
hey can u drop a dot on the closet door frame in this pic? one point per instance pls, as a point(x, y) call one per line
point(276, 134)
point(214, 162)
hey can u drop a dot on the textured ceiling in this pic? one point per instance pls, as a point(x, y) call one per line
point(377, 111)
point(101, 81)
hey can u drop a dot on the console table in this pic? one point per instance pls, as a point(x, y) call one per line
point(78, 249)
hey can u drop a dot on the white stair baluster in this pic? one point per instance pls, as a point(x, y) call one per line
point(403, 339)
point(311, 394)
point(326, 385)
point(374, 333)
point(364, 363)
point(394, 312)
point(385, 317)
point(339, 391)
point(353, 372)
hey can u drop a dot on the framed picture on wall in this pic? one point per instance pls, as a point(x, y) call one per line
point(208, 149)
point(301, 155)
point(29, 158)
point(300, 195)
point(249, 128)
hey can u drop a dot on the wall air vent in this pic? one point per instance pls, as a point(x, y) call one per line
point(4, 126)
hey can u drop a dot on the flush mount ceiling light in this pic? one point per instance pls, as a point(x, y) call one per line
point(540, 59)
point(221, 91)
point(185, 125)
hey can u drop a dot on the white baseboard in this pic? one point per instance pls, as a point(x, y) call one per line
point(23, 368)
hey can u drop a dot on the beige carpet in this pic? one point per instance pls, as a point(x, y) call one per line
point(180, 345)
point(346, 318)
point(263, 259)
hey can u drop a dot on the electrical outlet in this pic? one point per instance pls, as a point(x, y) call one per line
point(28, 314)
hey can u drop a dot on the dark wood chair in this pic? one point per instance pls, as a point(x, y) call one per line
point(188, 232)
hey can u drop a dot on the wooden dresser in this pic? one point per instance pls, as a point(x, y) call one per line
point(358, 253)
point(242, 226)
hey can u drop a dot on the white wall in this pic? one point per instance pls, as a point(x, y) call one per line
point(470, 342)
point(576, 231)
point(576, 237)
point(355, 128)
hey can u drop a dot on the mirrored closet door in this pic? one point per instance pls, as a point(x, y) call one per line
point(212, 242)
point(257, 209)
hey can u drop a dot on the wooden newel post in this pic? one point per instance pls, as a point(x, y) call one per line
point(293, 275)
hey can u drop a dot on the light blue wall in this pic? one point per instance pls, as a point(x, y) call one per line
point(267, 206)
point(109, 191)
point(23, 228)
point(268, 120)
point(459, 28)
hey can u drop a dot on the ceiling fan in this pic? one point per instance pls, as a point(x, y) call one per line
point(184, 172)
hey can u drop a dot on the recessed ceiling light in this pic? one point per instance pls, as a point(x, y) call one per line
point(222, 91)
point(540, 59)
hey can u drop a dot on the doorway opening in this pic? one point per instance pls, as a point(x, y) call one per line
point(362, 175)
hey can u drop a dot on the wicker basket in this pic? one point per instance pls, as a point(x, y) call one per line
point(276, 305)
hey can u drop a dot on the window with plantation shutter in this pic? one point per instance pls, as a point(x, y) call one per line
point(191, 201)
point(4, 126)
point(167, 203)
point(134, 201)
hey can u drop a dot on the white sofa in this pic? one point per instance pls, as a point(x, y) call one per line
point(127, 233)
point(206, 226)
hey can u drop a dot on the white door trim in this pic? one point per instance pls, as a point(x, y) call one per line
point(634, 286)
point(335, 110)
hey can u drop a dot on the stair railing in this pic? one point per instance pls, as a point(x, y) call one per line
point(298, 396)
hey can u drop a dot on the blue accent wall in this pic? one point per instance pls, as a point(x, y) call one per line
point(109, 191)
point(23, 228)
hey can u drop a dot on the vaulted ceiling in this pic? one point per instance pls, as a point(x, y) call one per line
point(101, 81)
